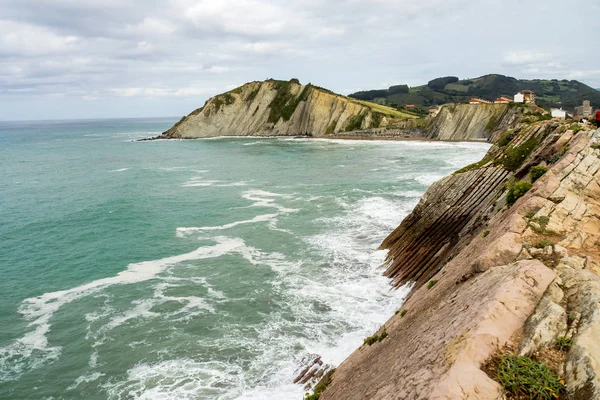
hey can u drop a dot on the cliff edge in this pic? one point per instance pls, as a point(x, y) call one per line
point(492, 279)
point(282, 108)
point(288, 108)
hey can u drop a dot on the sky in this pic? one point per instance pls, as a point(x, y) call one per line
point(70, 59)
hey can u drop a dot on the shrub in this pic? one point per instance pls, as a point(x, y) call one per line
point(505, 138)
point(563, 343)
point(514, 156)
point(321, 386)
point(536, 172)
point(431, 284)
point(485, 233)
point(543, 244)
point(523, 377)
point(375, 338)
point(355, 123)
point(403, 313)
point(474, 166)
point(515, 191)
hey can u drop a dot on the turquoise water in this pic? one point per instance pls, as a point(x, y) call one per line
point(204, 269)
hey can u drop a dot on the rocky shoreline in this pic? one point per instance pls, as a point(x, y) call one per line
point(493, 279)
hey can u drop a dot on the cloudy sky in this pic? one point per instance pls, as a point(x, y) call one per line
point(63, 59)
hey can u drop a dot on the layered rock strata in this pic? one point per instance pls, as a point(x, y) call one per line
point(487, 275)
point(288, 108)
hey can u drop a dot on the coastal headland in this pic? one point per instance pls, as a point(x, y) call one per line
point(503, 256)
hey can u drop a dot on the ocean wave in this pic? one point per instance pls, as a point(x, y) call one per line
point(120, 170)
point(183, 232)
point(33, 349)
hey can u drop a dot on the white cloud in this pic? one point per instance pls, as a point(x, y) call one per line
point(27, 40)
point(173, 50)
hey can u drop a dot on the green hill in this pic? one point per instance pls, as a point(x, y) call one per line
point(549, 92)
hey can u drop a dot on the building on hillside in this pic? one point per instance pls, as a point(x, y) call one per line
point(525, 96)
point(410, 106)
point(584, 110)
point(502, 100)
point(558, 113)
point(476, 100)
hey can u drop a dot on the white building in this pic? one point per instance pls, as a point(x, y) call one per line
point(519, 98)
point(558, 113)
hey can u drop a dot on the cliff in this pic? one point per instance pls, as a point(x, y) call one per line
point(492, 279)
point(282, 108)
point(467, 121)
point(288, 108)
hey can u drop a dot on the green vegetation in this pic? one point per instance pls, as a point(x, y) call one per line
point(596, 146)
point(525, 378)
point(515, 191)
point(549, 93)
point(331, 128)
point(355, 122)
point(285, 103)
point(223, 99)
point(252, 95)
point(542, 244)
point(576, 128)
point(403, 313)
point(537, 172)
point(440, 83)
point(563, 343)
point(377, 118)
point(375, 338)
point(491, 123)
point(515, 156)
point(506, 138)
point(539, 224)
point(474, 166)
point(431, 284)
point(485, 233)
point(321, 386)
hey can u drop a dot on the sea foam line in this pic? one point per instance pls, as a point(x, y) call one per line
point(183, 232)
point(39, 310)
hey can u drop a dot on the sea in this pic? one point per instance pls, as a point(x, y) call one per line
point(194, 269)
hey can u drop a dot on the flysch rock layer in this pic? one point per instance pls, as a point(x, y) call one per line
point(498, 287)
point(313, 111)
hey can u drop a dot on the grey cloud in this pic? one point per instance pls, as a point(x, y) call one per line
point(187, 50)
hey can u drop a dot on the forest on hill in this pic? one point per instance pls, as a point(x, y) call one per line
point(450, 89)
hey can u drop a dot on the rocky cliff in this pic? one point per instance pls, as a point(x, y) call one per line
point(282, 108)
point(288, 108)
point(467, 121)
point(492, 279)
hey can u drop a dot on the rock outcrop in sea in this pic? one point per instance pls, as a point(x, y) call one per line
point(492, 278)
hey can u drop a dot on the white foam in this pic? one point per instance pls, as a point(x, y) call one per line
point(216, 183)
point(39, 310)
point(178, 379)
point(120, 170)
point(85, 379)
point(428, 179)
point(263, 198)
point(183, 232)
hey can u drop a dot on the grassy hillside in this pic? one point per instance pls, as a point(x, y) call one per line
point(550, 93)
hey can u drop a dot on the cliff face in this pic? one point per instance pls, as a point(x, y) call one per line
point(488, 275)
point(467, 121)
point(279, 108)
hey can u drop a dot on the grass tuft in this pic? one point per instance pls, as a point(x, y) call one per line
point(563, 343)
point(524, 378)
point(375, 338)
point(431, 284)
point(537, 172)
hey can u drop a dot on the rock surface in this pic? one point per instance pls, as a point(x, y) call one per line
point(280, 108)
point(530, 279)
